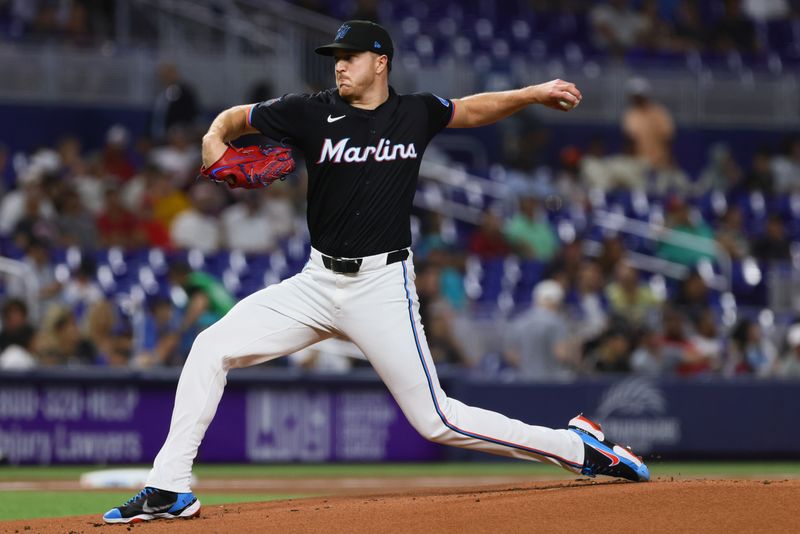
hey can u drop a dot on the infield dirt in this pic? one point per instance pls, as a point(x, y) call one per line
point(674, 506)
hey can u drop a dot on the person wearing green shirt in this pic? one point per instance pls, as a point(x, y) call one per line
point(207, 299)
point(682, 222)
point(529, 233)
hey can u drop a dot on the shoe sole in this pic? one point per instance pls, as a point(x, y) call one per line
point(191, 511)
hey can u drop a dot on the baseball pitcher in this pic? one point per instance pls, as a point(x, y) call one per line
point(363, 144)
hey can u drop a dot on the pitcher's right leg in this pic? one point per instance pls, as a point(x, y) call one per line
point(275, 321)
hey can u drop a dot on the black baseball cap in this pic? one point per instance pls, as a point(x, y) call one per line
point(361, 35)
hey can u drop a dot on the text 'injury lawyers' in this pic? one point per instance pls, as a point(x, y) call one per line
point(384, 151)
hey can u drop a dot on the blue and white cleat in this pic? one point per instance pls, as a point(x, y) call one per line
point(153, 503)
point(603, 457)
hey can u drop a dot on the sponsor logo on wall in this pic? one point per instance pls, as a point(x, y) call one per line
point(636, 413)
point(285, 425)
point(58, 424)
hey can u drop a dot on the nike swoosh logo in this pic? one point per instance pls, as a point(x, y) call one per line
point(146, 508)
point(334, 119)
point(613, 457)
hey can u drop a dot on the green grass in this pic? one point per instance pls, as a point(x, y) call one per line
point(30, 504)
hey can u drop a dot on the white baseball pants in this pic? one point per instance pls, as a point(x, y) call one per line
point(378, 310)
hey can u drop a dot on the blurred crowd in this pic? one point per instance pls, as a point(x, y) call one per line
point(588, 311)
point(613, 27)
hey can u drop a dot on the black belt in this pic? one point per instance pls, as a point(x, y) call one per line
point(352, 265)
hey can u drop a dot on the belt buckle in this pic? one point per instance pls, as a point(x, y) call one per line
point(344, 266)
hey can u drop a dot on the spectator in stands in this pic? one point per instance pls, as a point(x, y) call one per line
point(731, 234)
point(70, 158)
point(751, 352)
point(117, 161)
point(773, 245)
point(139, 188)
point(790, 366)
point(198, 227)
point(13, 206)
point(432, 236)
point(670, 179)
point(438, 318)
point(612, 253)
point(117, 226)
point(706, 339)
point(721, 173)
point(33, 224)
point(761, 177)
point(616, 26)
point(688, 33)
point(438, 249)
point(61, 342)
point(20, 355)
point(529, 232)
point(648, 357)
point(245, 223)
point(139, 196)
point(649, 124)
point(786, 166)
point(487, 241)
point(693, 296)
point(682, 225)
point(108, 334)
point(16, 325)
point(76, 227)
point(175, 103)
point(656, 31)
point(565, 268)
point(205, 301)
point(612, 354)
point(734, 31)
point(91, 182)
point(157, 341)
point(45, 285)
point(280, 210)
point(539, 344)
point(630, 298)
point(678, 349)
point(166, 200)
point(626, 170)
point(568, 186)
point(587, 304)
point(81, 291)
point(593, 168)
point(179, 158)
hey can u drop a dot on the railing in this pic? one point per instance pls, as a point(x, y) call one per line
point(438, 179)
point(704, 245)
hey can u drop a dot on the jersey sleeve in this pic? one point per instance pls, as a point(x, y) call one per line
point(439, 111)
point(281, 119)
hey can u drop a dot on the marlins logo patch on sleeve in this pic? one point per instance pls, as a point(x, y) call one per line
point(445, 102)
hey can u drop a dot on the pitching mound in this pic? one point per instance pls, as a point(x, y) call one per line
point(708, 506)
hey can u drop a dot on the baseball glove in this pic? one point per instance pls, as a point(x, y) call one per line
point(251, 167)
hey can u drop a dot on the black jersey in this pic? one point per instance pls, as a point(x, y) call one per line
point(363, 165)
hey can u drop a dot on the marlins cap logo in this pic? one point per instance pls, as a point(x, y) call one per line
point(342, 32)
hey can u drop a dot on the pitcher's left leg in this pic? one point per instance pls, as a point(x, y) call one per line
point(384, 322)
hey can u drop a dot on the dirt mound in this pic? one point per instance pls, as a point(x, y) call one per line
point(707, 506)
